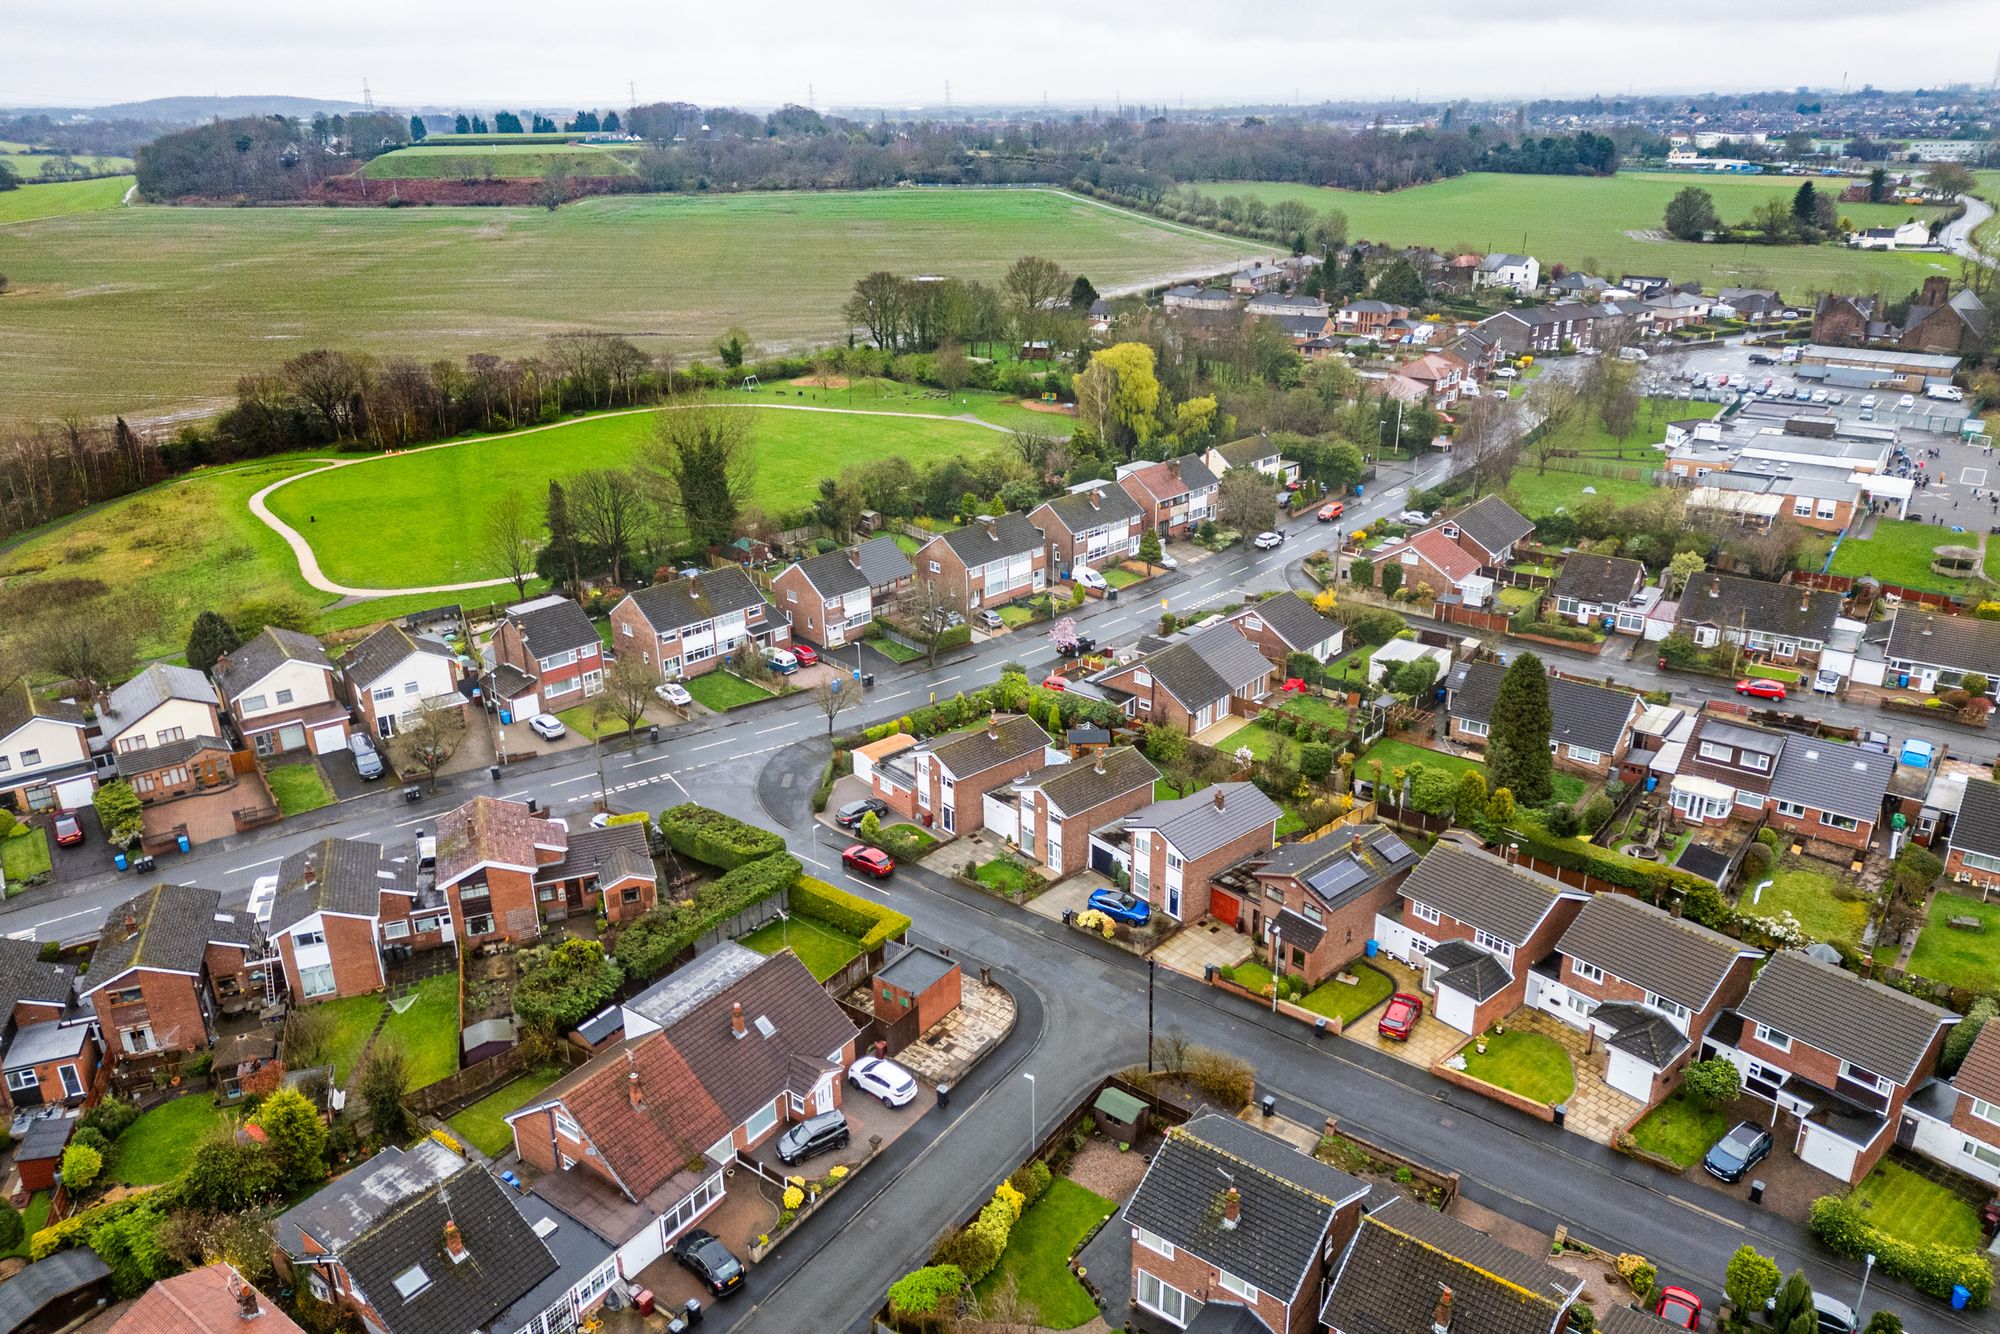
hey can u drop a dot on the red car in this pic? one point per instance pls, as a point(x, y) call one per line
point(1400, 1018)
point(1054, 683)
point(869, 861)
point(1331, 511)
point(1761, 689)
point(1679, 1308)
point(807, 655)
point(69, 830)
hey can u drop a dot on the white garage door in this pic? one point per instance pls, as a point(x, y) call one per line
point(1455, 1008)
point(327, 740)
point(75, 792)
point(1829, 1154)
point(1630, 1075)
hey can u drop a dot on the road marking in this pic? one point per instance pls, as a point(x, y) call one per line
point(884, 699)
point(421, 819)
point(565, 782)
point(651, 759)
point(778, 727)
point(51, 921)
point(253, 865)
point(512, 796)
point(814, 860)
point(713, 744)
point(946, 680)
point(676, 782)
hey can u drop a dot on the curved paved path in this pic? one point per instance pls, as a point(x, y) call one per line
point(309, 567)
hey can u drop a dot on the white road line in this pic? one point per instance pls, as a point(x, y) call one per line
point(814, 860)
point(776, 727)
point(510, 796)
point(676, 782)
point(884, 699)
point(51, 921)
point(565, 782)
point(651, 759)
point(421, 819)
point(713, 744)
point(946, 680)
point(253, 865)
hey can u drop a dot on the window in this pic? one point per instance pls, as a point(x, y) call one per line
point(72, 1082)
point(1589, 972)
point(284, 697)
point(255, 703)
point(137, 1041)
point(1493, 944)
point(476, 890)
point(1673, 1009)
point(1771, 1037)
point(1153, 1241)
point(936, 568)
point(1867, 1078)
point(1230, 1283)
point(1745, 797)
point(1752, 760)
point(1711, 751)
point(410, 687)
point(395, 930)
point(385, 692)
point(303, 938)
point(566, 1127)
point(128, 744)
point(317, 981)
point(412, 1281)
point(21, 1080)
point(1986, 1111)
point(1423, 912)
point(761, 1121)
point(318, 1285)
point(1584, 756)
point(1160, 1297)
point(629, 896)
point(1473, 727)
point(1984, 1153)
point(1832, 821)
point(30, 758)
point(1802, 508)
point(1311, 913)
point(1794, 809)
point(479, 925)
point(1174, 862)
point(127, 996)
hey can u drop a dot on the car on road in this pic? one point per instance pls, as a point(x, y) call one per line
point(1120, 906)
point(810, 1138)
point(1760, 689)
point(1634, 354)
point(807, 655)
point(1946, 393)
point(868, 861)
point(69, 829)
point(1399, 1017)
point(894, 1085)
point(547, 726)
point(1413, 516)
point(1505, 373)
point(1730, 1157)
point(263, 895)
point(702, 1254)
point(1905, 403)
point(990, 620)
point(1498, 391)
point(781, 660)
point(1330, 511)
point(1081, 645)
point(1089, 578)
point(1679, 1308)
point(1266, 540)
point(854, 812)
point(674, 693)
point(1834, 1315)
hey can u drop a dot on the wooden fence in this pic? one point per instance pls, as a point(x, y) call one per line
point(474, 1082)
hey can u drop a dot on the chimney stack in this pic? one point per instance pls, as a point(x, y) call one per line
point(1097, 498)
point(1098, 767)
point(1805, 599)
point(993, 724)
point(1232, 1208)
point(854, 557)
point(131, 922)
point(632, 1090)
point(1218, 796)
point(247, 1306)
point(1715, 588)
point(992, 526)
point(454, 1244)
point(1441, 1317)
point(736, 1024)
point(1354, 842)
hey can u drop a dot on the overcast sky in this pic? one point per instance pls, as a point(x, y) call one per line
point(901, 52)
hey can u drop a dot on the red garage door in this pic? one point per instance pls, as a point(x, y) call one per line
point(1224, 907)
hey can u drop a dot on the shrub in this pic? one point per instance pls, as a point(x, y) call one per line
point(1638, 1273)
point(1929, 1267)
point(851, 913)
point(647, 946)
point(926, 1295)
point(1713, 1082)
point(81, 1166)
point(565, 985)
point(1031, 1179)
point(1751, 1279)
point(1597, 813)
point(113, 1117)
point(1564, 822)
point(12, 1229)
point(717, 839)
point(1229, 1080)
point(1959, 1040)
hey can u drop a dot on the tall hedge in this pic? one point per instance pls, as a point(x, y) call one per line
point(647, 947)
point(720, 840)
point(926, 1295)
point(851, 913)
point(1928, 1267)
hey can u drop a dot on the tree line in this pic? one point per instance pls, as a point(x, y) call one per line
point(262, 157)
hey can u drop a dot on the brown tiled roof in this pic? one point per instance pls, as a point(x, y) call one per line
point(487, 829)
point(978, 749)
point(742, 1074)
point(200, 1302)
point(674, 1120)
point(19, 707)
point(1979, 1073)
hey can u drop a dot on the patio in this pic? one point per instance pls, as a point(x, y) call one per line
point(1193, 948)
point(1217, 733)
point(210, 815)
point(1596, 1110)
point(984, 1016)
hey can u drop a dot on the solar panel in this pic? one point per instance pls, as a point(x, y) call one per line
point(1392, 847)
point(1339, 877)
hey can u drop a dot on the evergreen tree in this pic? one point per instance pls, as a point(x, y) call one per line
point(611, 122)
point(297, 1138)
point(211, 637)
point(1082, 296)
point(384, 1081)
point(562, 534)
point(417, 129)
point(479, 125)
point(460, 125)
point(506, 122)
point(1794, 1300)
point(1054, 719)
point(1805, 204)
point(1517, 751)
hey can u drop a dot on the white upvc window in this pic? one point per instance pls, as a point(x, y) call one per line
point(1986, 1111)
point(1473, 727)
point(567, 1127)
point(1153, 1241)
point(1423, 912)
point(317, 981)
point(1832, 821)
point(1711, 751)
point(761, 1121)
point(1774, 1038)
point(1589, 972)
point(1492, 944)
point(1794, 809)
point(1671, 1008)
point(1160, 1297)
point(395, 930)
point(1583, 755)
point(1228, 1282)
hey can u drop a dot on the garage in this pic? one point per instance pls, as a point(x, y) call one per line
point(1456, 1010)
point(1629, 1075)
point(1826, 1151)
point(73, 793)
point(1224, 908)
point(326, 740)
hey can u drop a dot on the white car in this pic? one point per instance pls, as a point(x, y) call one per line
point(1868, 402)
point(1819, 395)
point(1265, 541)
point(547, 726)
point(1413, 516)
point(1497, 391)
point(263, 894)
point(1906, 402)
point(894, 1085)
point(1947, 393)
point(674, 693)
point(1089, 578)
point(1167, 561)
point(1505, 373)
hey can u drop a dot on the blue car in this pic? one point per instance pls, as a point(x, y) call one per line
point(1120, 906)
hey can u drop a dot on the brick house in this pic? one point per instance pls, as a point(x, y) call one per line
point(214, 1299)
point(390, 674)
point(1411, 1268)
point(489, 854)
point(1050, 812)
point(1592, 588)
point(342, 906)
point(165, 730)
point(1819, 789)
point(1941, 322)
point(608, 871)
point(1846, 321)
point(1427, 557)
point(551, 641)
point(1367, 318)
point(1175, 497)
point(1646, 982)
point(1938, 652)
point(1096, 524)
point(1488, 530)
point(165, 959)
point(44, 754)
point(1255, 452)
point(280, 691)
point(1957, 1121)
point(1726, 765)
point(683, 627)
point(990, 562)
point(1229, 1216)
point(1191, 681)
point(1437, 378)
point(1474, 925)
point(1288, 624)
point(1174, 850)
point(1838, 1056)
point(1592, 724)
point(1314, 903)
point(46, 1061)
point(1973, 857)
point(942, 782)
point(828, 597)
point(1789, 623)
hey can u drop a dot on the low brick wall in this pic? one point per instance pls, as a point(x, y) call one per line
point(1506, 1097)
point(1623, 1143)
point(1309, 1018)
point(1445, 1183)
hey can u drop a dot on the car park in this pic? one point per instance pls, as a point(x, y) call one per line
point(1399, 1017)
point(1121, 906)
point(869, 861)
point(1679, 1308)
point(807, 655)
point(1086, 577)
point(811, 1137)
point(547, 726)
point(1732, 1156)
point(1330, 511)
point(674, 693)
point(854, 812)
point(69, 829)
point(1868, 402)
point(1265, 541)
point(894, 1085)
point(1762, 359)
point(1760, 689)
point(1835, 397)
point(1819, 395)
point(702, 1254)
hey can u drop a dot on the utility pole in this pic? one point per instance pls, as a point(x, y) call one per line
point(367, 97)
point(631, 95)
point(809, 98)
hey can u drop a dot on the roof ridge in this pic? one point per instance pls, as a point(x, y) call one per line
point(1188, 1133)
point(1461, 1261)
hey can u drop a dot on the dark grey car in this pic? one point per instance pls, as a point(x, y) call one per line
point(815, 1135)
point(1736, 1153)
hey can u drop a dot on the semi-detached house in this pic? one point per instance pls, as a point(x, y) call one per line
point(551, 644)
point(989, 562)
point(1592, 724)
point(1790, 623)
point(1173, 851)
point(1940, 651)
point(44, 756)
point(1957, 1120)
point(1049, 813)
point(1820, 789)
point(165, 959)
point(1412, 1269)
point(686, 626)
point(942, 782)
point(832, 598)
point(1187, 683)
point(1175, 497)
point(280, 692)
point(1095, 524)
point(165, 732)
point(1974, 854)
point(49, 1053)
point(342, 907)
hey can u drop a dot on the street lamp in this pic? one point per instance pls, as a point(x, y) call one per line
point(1277, 968)
point(1029, 1076)
point(1867, 1268)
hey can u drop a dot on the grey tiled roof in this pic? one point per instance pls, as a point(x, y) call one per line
point(1482, 891)
point(1405, 1253)
point(1591, 716)
point(1978, 826)
point(1632, 1320)
point(1094, 507)
point(167, 927)
point(1079, 786)
point(247, 664)
point(1492, 523)
point(883, 562)
point(1294, 620)
point(1196, 826)
point(1644, 1033)
point(1480, 978)
point(1649, 948)
point(1251, 448)
point(980, 748)
point(1331, 869)
point(553, 625)
point(1008, 534)
point(833, 573)
point(344, 1209)
point(1959, 642)
point(1873, 1026)
point(341, 875)
point(366, 662)
point(1287, 1201)
point(1207, 666)
point(150, 689)
point(1778, 609)
point(24, 1296)
point(609, 853)
point(1605, 580)
point(152, 759)
point(24, 977)
point(1833, 776)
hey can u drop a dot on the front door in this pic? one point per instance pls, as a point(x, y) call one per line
point(1174, 902)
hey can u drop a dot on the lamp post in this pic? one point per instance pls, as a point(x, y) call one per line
point(1029, 1076)
point(1867, 1268)
point(1277, 968)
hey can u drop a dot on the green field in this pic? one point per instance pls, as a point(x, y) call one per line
point(1899, 551)
point(1587, 223)
point(33, 203)
point(453, 162)
point(100, 322)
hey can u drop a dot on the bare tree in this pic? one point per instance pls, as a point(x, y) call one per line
point(331, 383)
point(93, 649)
point(628, 691)
point(1005, 1311)
point(1556, 401)
point(927, 610)
point(509, 540)
point(607, 510)
point(1244, 501)
point(832, 700)
point(429, 735)
point(698, 468)
point(1486, 434)
point(1031, 284)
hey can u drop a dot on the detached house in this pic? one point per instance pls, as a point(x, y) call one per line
point(1818, 789)
point(1592, 724)
point(1595, 589)
point(165, 959)
point(1414, 1270)
point(1791, 623)
point(1190, 682)
point(392, 674)
point(165, 731)
point(989, 562)
point(1646, 982)
point(1174, 850)
point(1974, 854)
point(1255, 452)
point(1488, 530)
point(489, 853)
point(1836, 1055)
point(1095, 524)
point(1314, 903)
point(342, 906)
point(1939, 651)
point(1049, 813)
point(280, 692)
point(686, 626)
point(44, 757)
point(1176, 496)
point(832, 598)
point(1428, 557)
point(1474, 925)
point(1231, 1218)
point(1521, 273)
point(1288, 624)
point(1367, 318)
point(1958, 1120)
point(556, 656)
point(1436, 378)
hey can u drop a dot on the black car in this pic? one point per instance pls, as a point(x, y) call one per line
point(1762, 359)
point(853, 813)
point(1736, 1153)
point(1083, 644)
point(710, 1261)
point(815, 1135)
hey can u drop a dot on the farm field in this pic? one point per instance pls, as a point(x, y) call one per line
point(428, 161)
point(436, 500)
point(100, 318)
point(1586, 223)
point(32, 203)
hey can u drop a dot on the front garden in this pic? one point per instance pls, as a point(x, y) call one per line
point(298, 788)
point(1530, 1064)
point(1036, 1259)
point(723, 691)
point(24, 856)
point(1006, 876)
point(1917, 1208)
point(1680, 1129)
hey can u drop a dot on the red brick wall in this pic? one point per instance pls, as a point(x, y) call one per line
point(1199, 1280)
point(968, 794)
point(1164, 708)
point(1824, 1068)
point(1965, 1122)
point(1076, 828)
point(538, 1143)
point(613, 896)
point(170, 1004)
point(1196, 875)
point(350, 944)
point(1811, 828)
point(795, 594)
point(1954, 864)
point(511, 905)
point(1510, 997)
point(949, 578)
point(1347, 928)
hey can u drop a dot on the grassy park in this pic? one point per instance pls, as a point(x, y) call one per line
point(1899, 551)
point(58, 199)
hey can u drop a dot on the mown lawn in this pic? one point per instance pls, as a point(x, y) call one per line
point(1916, 1209)
point(1969, 959)
point(156, 1146)
point(581, 719)
point(1337, 1000)
point(1900, 551)
point(427, 1031)
point(352, 1021)
point(1038, 1251)
point(298, 788)
point(1004, 875)
point(1680, 1130)
point(1809, 896)
point(822, 948)
point(723, 691)
point(24, 856)
point(482, 1125)
point(1534, 1066)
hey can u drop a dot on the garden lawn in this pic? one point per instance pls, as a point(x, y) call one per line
point(1401, 754)
point(156, 1146)
point(1760, 671)
point(1539, 495)
point(1004, 875)
point(1315, 709)
point(353, 1021)
point(1252, 975)
point(1259, 740)
point(1514, 598)
point(427, 1031)
point(1015, 615)
point(1899, 552)
point(1337, 1000)
point(23, 857)
point(298, 788)
point(1350, 669)
point(1915, 1208)
point(1120, 577)
point(895, 650)
point(33, 1219)
point(905, 842)
point(1534, 1066)
point(722, 691)
point(1969, 959)
point(822, 948)
point(580, 719)
point(1038, 1251)
point(1809, 896)
point(1680, 1130)
point(483, 1126)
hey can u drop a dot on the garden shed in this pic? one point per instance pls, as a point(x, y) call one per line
point(1120, 1115)
point(38, 1154)
point(920, 982)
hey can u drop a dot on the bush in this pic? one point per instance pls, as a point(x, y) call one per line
point(1597, 813)
point(1564, 822)
point(1930, 1268)
point(647, 946)
point(1639, 1274)
point(1031, 1179)
point(112, 1118)
point(1751, 1279)
point(1713, 1082)
point(12, 1229)
point(559, 988)
point(81, 1166)
point(717, 839)
point(926, 1295)
point(1959, 1040)
point(847, 912)
point(1229, 1080)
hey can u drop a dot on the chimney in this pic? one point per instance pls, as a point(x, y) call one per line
point(1218, 796)
point(1174, 469)
point(454, 1244)
point(854, 557)
point(736, 1024)
point(1441, 1317)
point(1715, 588)
point(1097, 498)
point(632, 1091)
point(1928, 622)
point(312, 871)
point(1354, 842)
point(1232, 1208)
point(1805, 599)
point(132, 920)
point(993, 725)
point(992, 526)
point(247, 1305)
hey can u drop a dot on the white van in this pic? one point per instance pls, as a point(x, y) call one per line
point(1948, 393)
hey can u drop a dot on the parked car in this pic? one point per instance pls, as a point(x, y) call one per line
point(1413, 516)
point(547, 726)
point(1121, 906)
point(1819, 395)
point(367, 760)
point(807, 655)
point(1802, 394)
point(869, 861)
point(1167, 561)
point(1762, 359)
point(1947, 393)
point(1760, 689)
point(1053, 682)
point(1905, 403)
point(854, 812)
point(1868, 401)
point(702, 1254)
point(811, 1137)
point(1399, 1017)
point(1083, 644)
point(69, 829)
point(1088, 578)
point(1633, 354)
point(1679, 1308)
point(1746, 1145)
point(781, 660)
point(674, 693)
point(1265, 541)
point(1506, 373)
point(894, 1085)
point(1835, 1316)
point(1498, 391)
point(1330, 511)
point(1700, 380)
point(990, 620)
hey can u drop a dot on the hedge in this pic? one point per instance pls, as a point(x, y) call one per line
point(1012, 693)
point(1650, 878)
point(1929, 1267)
point(720, 840)
point(848, 912)
point(924, 1294)
point(649, 945)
